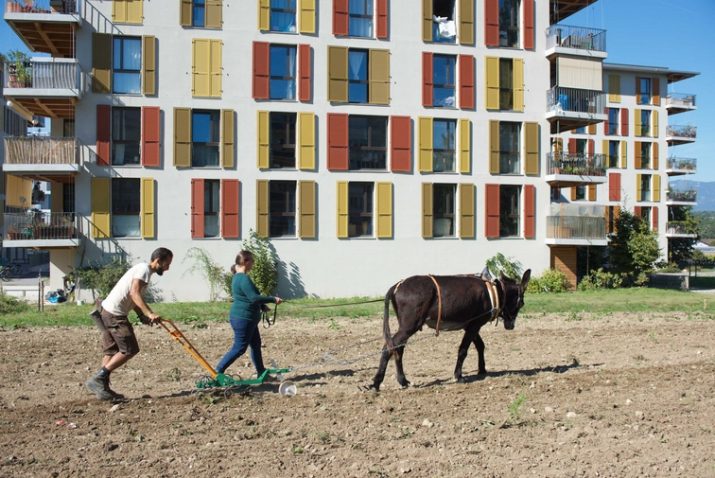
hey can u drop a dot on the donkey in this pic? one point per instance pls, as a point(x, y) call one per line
point(447, 303)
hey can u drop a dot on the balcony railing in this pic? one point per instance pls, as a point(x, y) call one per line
point(581, 164)
point(683, 195)
point(40, 150)
point(41, 6)
point(681, 131)
point(581, 38)
point(575, 227)
point(43, 73)
point(34, 225)
point(681, 100)
point(682, 164)
point(560, 98)
point(679, 228)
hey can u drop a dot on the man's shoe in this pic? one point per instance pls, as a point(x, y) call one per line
point(98, 386)
point(115, 395)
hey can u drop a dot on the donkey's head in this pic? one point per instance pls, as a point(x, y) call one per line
point(513, 298)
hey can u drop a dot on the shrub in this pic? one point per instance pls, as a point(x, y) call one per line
point(100, 278)
point(203, 262)
point(510, 267)
point(265, 270)
point(600, 279)
point(11, 305)
point(551, 280)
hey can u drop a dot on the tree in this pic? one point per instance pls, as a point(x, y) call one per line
point(633, 249)
point(680, 249)
point(265, 269)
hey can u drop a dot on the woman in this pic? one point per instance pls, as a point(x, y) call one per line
point(245, 315)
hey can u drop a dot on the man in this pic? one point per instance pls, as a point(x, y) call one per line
point(118, 341)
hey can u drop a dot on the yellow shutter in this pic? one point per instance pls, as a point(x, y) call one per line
point(624, 154)
point(532, 149)
point(574, 192)
point(466, 22)
point(654, 127)
point(148, 209)
point(427, 20)
point(264, 15)
point(639, 190)
point(465, 146)
point(343, 209)
point(492, 83)
point(227, 139)
point(592, 128)
point(149, 65)
point(101, 62)
point(186, 12)
point(57, 193)
point(656, 187)
point(119, 11)
point(384, 210)
point(201, 66)
point(135, 11)
point(19, 191)
point(427, 210)
point(591, 192)
point(101, 208)
point(494, 148)
point(306, 21)
point(264, 138)
point(637, 123)
point(214, 14)
point(518, 84)
point(182, 137)
point(638, 164)
point(605, 150)
point(337, 73)
point(655, 154)
point(426, 145)
point(614, 88)
point(307, 141)
point(307, 209)
point(379, 81)
point(216, 67)
point(466, 211)
point(262, 201)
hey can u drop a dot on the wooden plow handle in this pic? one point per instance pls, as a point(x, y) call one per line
point(177, 335)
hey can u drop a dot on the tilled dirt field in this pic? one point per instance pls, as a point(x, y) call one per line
point(623, 395)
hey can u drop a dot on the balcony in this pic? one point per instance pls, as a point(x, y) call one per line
point(681, 197)
point(44, 86)
point(41, 230)
point(571, 40)
point(41, 157)
point(678, 134)
point(679, 166)
point(572, 108)
point(46, 26)
point(574, 169)
point(678, 229)
point(575, 225)
point(679, 102)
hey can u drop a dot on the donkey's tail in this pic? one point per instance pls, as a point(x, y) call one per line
point(389, 297)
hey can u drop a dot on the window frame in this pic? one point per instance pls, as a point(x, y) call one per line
point(121, 200)
point(450, 67)
point(208, 144)
point(291, 130)
point(646, 154)
point(364, 217)
point(283, 11)
point(364, 16)
point(646, 125)
point(504, 214)
point(614, 163)
point(646, 90)
point(287, 213)
point(517, 167)
point(450, 208)
point(370, 147)
point(197, 5)
point(290, 80)
point(359, 82)
point(124, 71)
point(504, 28)
point(646, 189)
point(117, 142)
point(613, 125)
point(506, 93)
point(451, 124)
point(212, 207)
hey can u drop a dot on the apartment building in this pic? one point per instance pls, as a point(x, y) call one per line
point(369, 140)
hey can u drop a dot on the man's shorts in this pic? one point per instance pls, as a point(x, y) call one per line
point(117, 334)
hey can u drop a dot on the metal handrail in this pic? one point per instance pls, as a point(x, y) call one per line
point(561, 98)
point(685, 195)
point(41, 6)
point(683, 164)
point(682, 131)
point(37, 225)
point(678, 227)
point(41, 73)
point(680, 99)
point(581, 164)
point(583, 38)
point(575, 227)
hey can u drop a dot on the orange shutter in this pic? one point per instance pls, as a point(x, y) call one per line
point(261, 70)
point(529, 210)
point(230, 223)
point(305, 53)
point(382, 19)
point(654, 218)
point(104, 135)
point(529, 24)
point(656, 91)
point(491, 22)
point(338, 142)
point(340, 17)
point(624, 122)
point(400, 144)
point(614, 186)
point(197, 208)
point(427, 86)
point(151, 127)
point(466, 82)
point(491, 227)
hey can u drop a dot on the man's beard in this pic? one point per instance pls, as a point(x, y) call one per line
point(160, 271)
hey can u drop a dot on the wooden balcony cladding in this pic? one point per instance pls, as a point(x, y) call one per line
point(40, 150)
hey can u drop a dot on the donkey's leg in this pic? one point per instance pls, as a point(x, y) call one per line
point(462, 353)
point(380, 375)
point(479, 344)
point(400, 341)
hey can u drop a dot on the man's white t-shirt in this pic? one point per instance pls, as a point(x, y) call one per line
point(119, 301)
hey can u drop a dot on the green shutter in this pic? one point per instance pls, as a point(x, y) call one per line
point(101, 208)
point(185, 19)
point(342, 209)
point(148, 209)
point(614, 88)
point(492, 83)
point(466, 22)
point(427, 20)
point(213, 14)
point(149, 65)
point(465, 146)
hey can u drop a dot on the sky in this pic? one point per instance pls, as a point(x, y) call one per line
point(677, 34)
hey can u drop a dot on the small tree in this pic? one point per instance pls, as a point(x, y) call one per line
point(203, 262)
point(265, 263)
point(510, 267)
point(633, 248)
point(680, 249)
point(100, 278)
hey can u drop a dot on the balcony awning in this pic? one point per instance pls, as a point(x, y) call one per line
point(46, 33)
point(560, 9)
point(44, 106)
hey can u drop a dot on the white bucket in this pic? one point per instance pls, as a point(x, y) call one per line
point(287, 389)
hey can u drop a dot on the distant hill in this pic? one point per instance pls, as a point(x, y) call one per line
point(706, 193)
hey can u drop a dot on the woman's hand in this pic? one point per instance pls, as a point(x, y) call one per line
point(278, 300)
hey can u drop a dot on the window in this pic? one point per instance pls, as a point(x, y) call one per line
point(282, 140)
point(282, 73)
point(444, 141)
point(443, 79)
point(506, 84)
point(68, 197)
point(509, 148)
point(283, 15)
point(281, 215)
point(126, 65)
point(360, 209)
point(645, 152)
point(509, 210)
point(509, 23)
point(212, 194)
point(645, 187)
point(579, 193)
point(613, 152)
point(443, 210)
point(126, 207)
point(581, 147)
point(645, 123)
point(613, 116)
point(645, 213)
point(205, 137)
point(360, 18)
point(644, 85)
point(126, 135)
point(581, 130)
point(198, 13)
point(444, 29)
point(68, 128)
point(357, 76)
point(367, 142)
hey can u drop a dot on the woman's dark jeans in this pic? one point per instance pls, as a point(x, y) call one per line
point(245, 334)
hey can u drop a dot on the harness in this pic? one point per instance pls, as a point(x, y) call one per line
point(493, 298)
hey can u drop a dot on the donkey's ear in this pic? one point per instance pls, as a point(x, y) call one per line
point(525, 279)
point(486, 275)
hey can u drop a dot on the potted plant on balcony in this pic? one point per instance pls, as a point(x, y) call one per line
point(18, 69)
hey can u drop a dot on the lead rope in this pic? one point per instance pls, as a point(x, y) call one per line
point(439, 305)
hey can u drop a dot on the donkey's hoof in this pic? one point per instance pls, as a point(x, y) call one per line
point(460, 379)
point(369, 388)
point(405, 384)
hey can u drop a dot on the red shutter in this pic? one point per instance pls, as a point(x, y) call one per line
point(151, 132)
point(572, 146)
point(261, 70)
point(614, 186)
point(492, 206)
point(654, 218)
point(382, 19)
point(338, 141)
point(401, 144)
point(591, 148)
point(230, 193)
point(637, 211)
point(656, 91)
point(427, 86)
point(529, 211)
point(305, 61)
point(529, 24)
point(197, 208)
point(624, 121)
point(340, 17)
point(466, 82)
point(606, 123)
point(104, 135)
point(491, 20)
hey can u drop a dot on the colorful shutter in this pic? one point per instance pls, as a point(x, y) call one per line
point(654, 218)
point(656, 188)
point(614, 88)
point(383, 10)
point(624, 121)
point(656, 156)
point(606, 152)
point(591, 147)
point(529, 211)
point(624, 154)
point(528, 24)
point(151, 137)
point(104, 135)
point(614, 186)
point(427, 79)
point(262, 207)
point(197, 208)
point(572, 146)
point(261, 70)
point(342, 209)
point(518, 84)
point(466, 82)
point(637, 128)
point(307, 194)
point(340, 17)
point(467, 229)
point(638, 155)
point(591, 192)
point(185, 17)
point(101, 63)
point(532, 149)
point(216, 68)
point(638, 91)
point(148, 208)
point(655, 126)
point(606, 123)
point(494, 148)
point(491, 196)
point(337, 74)
point(465, 146)
point(305, 90)
point(307, 16)
point(637, 211)
point(230, 208)
point(227, 139)
point(639, 188)
point(264, 139)
point(427, 20)
point(466, 22)
point(379, 81)
point(574, 193)
point(592, 128)
point(149, 65)
point(101, 208)
point(427, 211)
point(128, 11)
point(306, 159)
point(400, 144)
point(492, 83)
point(182, 137)
point(491, 22)
point(426, 145)
point(201, 68)
point(384, 210)
point(213, 13)
point(264, 15)
point(338, 151)
point(656, 91)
